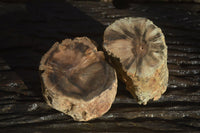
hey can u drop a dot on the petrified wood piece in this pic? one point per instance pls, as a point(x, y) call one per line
point(137, 49)
point(76, 79)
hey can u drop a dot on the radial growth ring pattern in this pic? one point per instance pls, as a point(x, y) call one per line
point(138, 43)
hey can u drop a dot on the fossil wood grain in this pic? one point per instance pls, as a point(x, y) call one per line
point(77, 80)
point(137, 49)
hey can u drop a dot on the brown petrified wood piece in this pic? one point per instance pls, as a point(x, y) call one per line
point(76, 79)
point(137, 49)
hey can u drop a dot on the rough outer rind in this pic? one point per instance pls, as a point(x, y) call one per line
point(132, 33)
point(81, 109)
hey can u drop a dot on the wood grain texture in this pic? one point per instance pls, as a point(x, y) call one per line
point(27, 30)
point(77, 80)
point(136, 49)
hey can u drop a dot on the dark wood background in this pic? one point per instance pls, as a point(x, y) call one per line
point(29, 29)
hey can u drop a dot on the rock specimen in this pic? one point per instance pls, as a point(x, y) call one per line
point(76, 79)
point(137, 49)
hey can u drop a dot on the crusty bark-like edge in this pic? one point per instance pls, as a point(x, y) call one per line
point(150, 88)
point(81, 110)
point(78, 109)
point(132, 81)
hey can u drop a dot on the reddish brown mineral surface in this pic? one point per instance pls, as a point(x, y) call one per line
point(76, 79)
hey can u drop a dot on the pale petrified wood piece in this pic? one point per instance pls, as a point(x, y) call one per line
point(76, 79)
point(137, 49)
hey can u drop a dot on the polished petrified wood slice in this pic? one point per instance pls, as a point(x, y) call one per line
point(137, 49)
point(76, 79)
